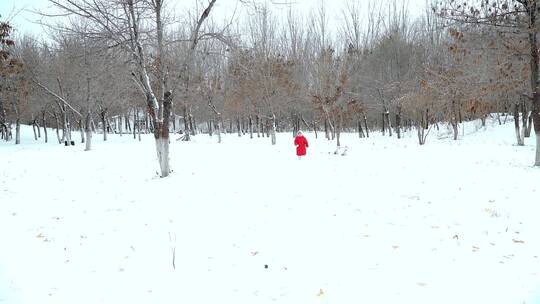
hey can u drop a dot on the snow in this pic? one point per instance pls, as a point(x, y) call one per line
point(389, 222)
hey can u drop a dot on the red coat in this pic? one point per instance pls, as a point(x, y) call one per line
point(301, 144)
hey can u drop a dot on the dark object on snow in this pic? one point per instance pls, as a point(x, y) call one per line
point(73, 143)
point(66, 143)
point(265, 266)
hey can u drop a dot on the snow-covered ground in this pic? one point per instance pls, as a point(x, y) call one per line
point(246, 222)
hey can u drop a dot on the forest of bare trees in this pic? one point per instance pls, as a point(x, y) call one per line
point(131, 67)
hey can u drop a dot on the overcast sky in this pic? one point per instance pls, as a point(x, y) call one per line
point(18, 11)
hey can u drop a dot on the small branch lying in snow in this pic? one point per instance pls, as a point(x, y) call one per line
point(173, 249)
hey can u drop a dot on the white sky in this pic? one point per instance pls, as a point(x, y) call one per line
point(23, 19)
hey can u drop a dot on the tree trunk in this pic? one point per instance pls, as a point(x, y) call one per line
point(17, 131)
point(294, 125)
point(527, 120)
point(529, 126)
point(218, 129)
point(44, 121)
point(127, 124)
point(3, 124)
point(120, 129)
point(238, 127)
point(454, 120)
point(81, 127)
point(88, 131)
point(365, 125)
point(331, 128)
point(66, 134)
point(273, 129)
point(161, 134)
point(534, 60)
point(146, 123)
point(327, 134)
point(186, 123)
point(398, 122)
point(360, 131)
point(257, 125)
point(135, 123)
point(519, 133)
point(383, 124)
point(138, 127)
point(34, 129)
point(250, 125)
point(103, 116)
point(57, 128)
point(387, 116)
point(421, 139)
point(338, 131)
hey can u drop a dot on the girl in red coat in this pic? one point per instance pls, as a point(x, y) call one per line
point(301, 144)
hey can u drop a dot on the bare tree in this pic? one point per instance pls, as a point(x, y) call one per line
point(511, 17)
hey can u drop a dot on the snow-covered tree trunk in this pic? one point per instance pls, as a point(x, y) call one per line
point(88, 131)
point(273, 132)
point(519, 132)
point(161, 135)
point(238, 127)
point(387, 117)
point(66, 132)
point(421, 138)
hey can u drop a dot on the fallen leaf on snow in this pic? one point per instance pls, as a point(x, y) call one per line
point(321, 293)
point(517, 241)
point(254, 253)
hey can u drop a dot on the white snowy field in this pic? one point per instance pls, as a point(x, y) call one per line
point(389, 222)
